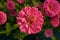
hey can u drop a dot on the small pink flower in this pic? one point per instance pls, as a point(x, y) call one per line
point(20, 1)
point(51, 7)
point(12, 13)
point(30, 20)
point(48, 33)
point(3, 18)
point(54, 21)
point(10, 5)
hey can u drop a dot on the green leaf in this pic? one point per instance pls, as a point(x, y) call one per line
point(53, 37)
point(22, 34)
point(14, 26)
point(19, 35)
point(2, 32)
point(8, 29)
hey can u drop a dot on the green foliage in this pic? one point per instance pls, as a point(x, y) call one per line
point(8, 29)
point(14, 27)
point(19, 35)
point(53, 37)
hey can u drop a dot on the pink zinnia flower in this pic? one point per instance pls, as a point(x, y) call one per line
point(54, 21)
point(20, 1)
point(3, 18)
point(10, 5)
point(30, 20)
point(51, 7)
point(48, 33)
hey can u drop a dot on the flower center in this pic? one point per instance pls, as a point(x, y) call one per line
point(30, 19)
point(51, 7)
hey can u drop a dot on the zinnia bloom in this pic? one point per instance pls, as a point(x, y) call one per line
point(48, 33)
point(30, 20)
point(20, 1)
point(10, 5)
point(51, 7)
point(54, 21)
point(3, 18)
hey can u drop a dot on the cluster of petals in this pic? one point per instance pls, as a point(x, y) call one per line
point(11, 8)
point(10, 5)
point(52, 10)
point(48, 33)
point(30, 20)
point(54, 21)
point(51, 7)
point(3, 18)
